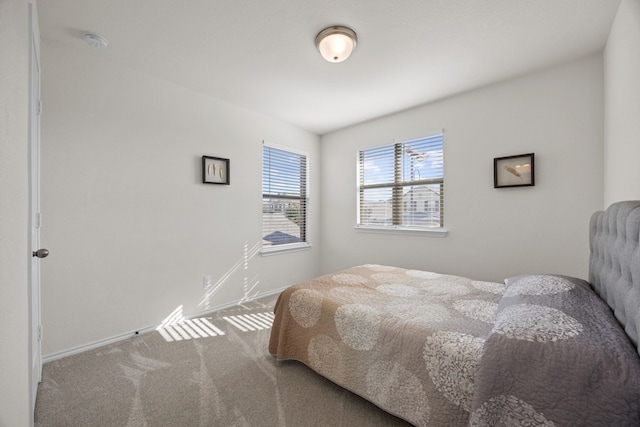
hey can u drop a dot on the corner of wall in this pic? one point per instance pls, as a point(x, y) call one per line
point(622, 105)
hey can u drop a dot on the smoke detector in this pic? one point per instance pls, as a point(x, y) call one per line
point(95, 40)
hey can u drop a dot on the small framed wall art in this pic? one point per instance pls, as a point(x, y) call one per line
point(514, 171)
point(215, 170)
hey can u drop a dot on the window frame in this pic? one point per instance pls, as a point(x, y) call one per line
point(288, 247)
point(397, 187)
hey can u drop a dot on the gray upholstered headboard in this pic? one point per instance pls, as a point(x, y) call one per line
point(614, 264)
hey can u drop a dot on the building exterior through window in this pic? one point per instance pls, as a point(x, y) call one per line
point(284, 197)
point(402, 184)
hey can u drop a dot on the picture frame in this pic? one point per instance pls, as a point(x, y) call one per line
point(514, 171)
point(215, 170)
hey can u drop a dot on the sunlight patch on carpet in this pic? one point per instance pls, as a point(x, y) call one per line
point(251, 322)
point(177, 328)
point(189, 329)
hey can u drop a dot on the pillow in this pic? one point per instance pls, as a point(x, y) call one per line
point(556, 355)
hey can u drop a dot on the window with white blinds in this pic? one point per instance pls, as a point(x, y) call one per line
point(402, 185)
point(284, 197)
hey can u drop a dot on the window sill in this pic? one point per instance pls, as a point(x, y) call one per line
point(436, 232)
point(280, 249)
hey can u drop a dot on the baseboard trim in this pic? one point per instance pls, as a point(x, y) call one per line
point(106, 341)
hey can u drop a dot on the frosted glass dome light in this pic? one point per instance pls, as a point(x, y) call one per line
point(336, 43)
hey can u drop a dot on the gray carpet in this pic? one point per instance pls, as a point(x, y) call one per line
point(175, 379)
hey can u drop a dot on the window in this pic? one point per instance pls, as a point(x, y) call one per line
point(284, 198)
point(402, 185)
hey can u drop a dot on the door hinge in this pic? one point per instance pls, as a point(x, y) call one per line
point(38, 220)
point(39, 106)
point(39, 333)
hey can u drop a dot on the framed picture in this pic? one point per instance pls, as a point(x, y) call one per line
point(215, 170)
point(514, 171)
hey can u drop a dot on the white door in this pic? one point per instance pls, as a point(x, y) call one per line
point(36, 251)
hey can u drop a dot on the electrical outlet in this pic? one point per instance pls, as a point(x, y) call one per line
point(206, 282)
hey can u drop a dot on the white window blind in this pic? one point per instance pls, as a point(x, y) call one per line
point(284, 197)
point(402, 185)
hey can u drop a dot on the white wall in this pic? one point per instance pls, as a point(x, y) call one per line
point(130, 226)
point(14, 214)
point(493, 233)
point(622, 106)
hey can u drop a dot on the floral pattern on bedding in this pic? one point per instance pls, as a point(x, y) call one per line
point(407, 340)
point(556, 356)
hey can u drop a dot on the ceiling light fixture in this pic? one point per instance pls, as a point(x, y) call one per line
point(336, 43)
point(95, 40)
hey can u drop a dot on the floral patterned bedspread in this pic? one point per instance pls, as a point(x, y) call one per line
point(407, 340)
point(556, 356)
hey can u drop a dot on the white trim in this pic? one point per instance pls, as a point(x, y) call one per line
point(35, 298)
point(285, 148)
point(93, 345)
point(279, 249)
point(434, 232)
point(425, 135)
point(117, 338)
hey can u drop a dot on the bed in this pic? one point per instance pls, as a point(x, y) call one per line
point(442, 350)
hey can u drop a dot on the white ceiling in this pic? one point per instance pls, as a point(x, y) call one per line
point(260, 54)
